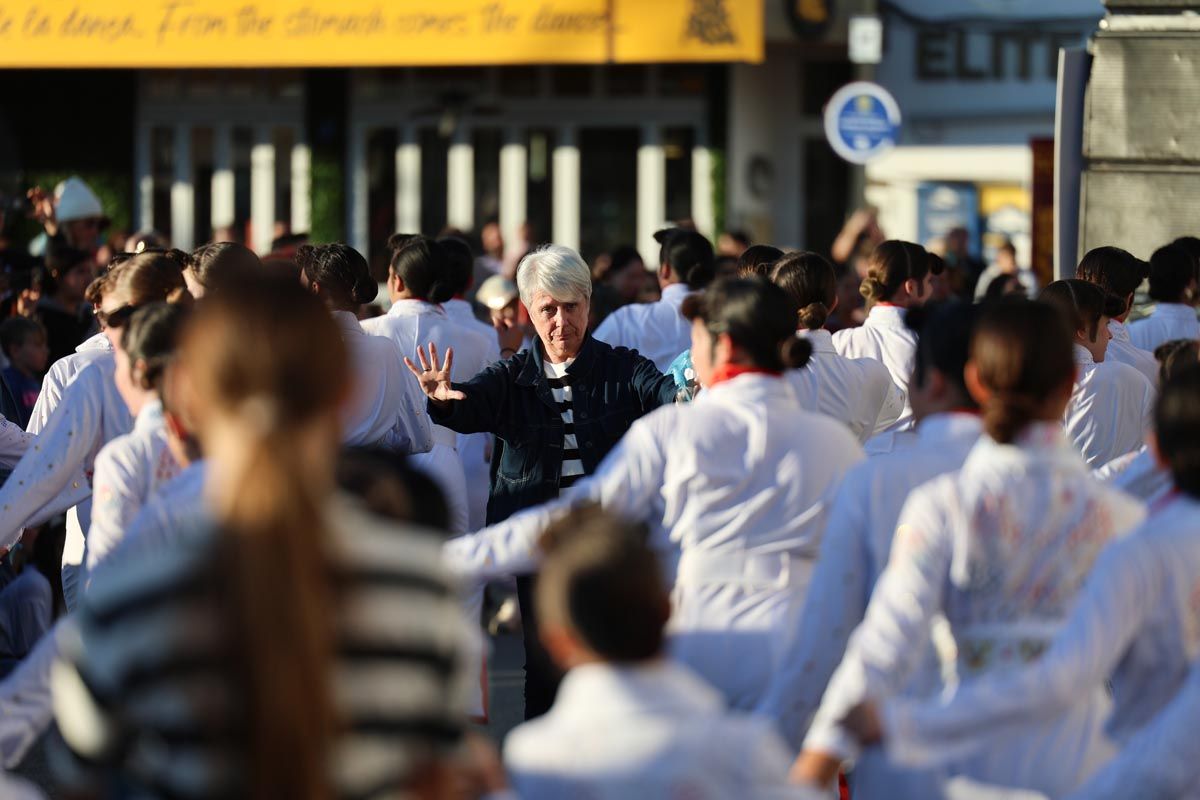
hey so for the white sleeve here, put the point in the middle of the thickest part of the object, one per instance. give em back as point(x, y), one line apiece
point(13, 443)
point(116, 499)
point(48, 399)
point(1161, 761)
point(1107, 615)
point(25, 705)
point(609, 330)
point(413, 432)
point(892, 408)
point(908, 595)
point(48, 480)
point(624, 483)
point(834, 605)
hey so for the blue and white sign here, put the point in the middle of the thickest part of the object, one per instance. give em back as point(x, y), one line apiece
point(862, 120)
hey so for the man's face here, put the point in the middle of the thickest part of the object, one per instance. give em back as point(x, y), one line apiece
point(560, 324)
point(83, 234)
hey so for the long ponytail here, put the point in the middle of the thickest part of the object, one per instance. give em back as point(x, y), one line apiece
point(269, 369)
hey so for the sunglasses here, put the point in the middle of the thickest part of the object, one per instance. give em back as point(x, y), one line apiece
point(117, 318)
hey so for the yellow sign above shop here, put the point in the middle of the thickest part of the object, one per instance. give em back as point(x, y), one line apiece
point(320, 33)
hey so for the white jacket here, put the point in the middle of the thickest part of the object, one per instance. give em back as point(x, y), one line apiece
point(1136, 621)
point(854, 551)
point(884, 337)
point(652, 731)
point(1138, 474)
point(1168, 321)
point(460, 311)
point(856, 391)
point(13, 443)
point(1122, 349)
point(128, 470)
point(658, 330)
point(63, 372)
point(999, 549)
point(735, 488)
point(386, 406)
point(1111, 408)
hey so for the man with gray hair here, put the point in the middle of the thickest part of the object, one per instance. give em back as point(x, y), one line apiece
point(556, 410)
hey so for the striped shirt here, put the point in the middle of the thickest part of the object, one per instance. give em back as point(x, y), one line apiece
point(145, 694)
point(560, 386)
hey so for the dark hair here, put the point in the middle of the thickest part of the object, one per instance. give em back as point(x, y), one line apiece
point(944, 333)
point(602, 581)
point(422, 264)
point(998, 287)
point(152, 336)
point(389, 487)
point(811, 281)
point(460, 263)
point(1081, 304)
point(759, 317)
point(738, 235)
point(1177, 428)
point(1023, 353)
point(688, 254)
point(1174, 356)
point(15, 331)
point(622, 257)
point(341, 271)
point(214, 264)
point(758, 260)
point(60, 258)
point(1191, 244)
point(1114, 270)
point(892, 263)
point(1172, 270)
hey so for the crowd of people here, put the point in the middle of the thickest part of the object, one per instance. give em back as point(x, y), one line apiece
point(767, 540)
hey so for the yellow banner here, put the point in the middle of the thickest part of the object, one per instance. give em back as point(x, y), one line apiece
point(311, 33)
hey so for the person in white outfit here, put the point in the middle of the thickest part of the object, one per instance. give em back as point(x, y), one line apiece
point(1136, 625)
point(49, 479)
point(899, 277)
point(858, 537)
point(1173, 289)
point(855, 391)
point(1120, 273)
point(475, 449)
point(418, 281)
point(658, 331)
point(1112, 403)
point(629, 723)
point(386, 407)
point(131, 467)
point(735, 488)
point(999, 550)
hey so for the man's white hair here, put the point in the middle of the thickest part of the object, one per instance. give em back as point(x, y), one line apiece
point(556, 270)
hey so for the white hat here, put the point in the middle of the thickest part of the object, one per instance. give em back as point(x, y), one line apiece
point(74, 199)
point(496, 292)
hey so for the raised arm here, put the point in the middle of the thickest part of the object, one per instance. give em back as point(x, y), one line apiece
point(471, 407)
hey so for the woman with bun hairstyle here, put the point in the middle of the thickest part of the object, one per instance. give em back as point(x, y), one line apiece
point(420, 279)
point(899, 277)
point(215, 264)
point(49, 479)
point(856, 391)
point(998, 550)
point(323, 652)
point(1112, 404)
point(385, 407)
point(733, 486)
point(1120, 274)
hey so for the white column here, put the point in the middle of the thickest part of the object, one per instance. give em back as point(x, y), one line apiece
point(262, 189)
point(144, 177)
point(408, 182)
point(183, 198)
point(301, 184)
point(651, 192)
point(514, 173)
point(566, 190)
point(223, 195)
point(460, 181)
point(357, 190)
point(702, 190)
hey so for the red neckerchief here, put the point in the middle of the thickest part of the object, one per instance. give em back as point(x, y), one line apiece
point(731, 371)
point(974, 412)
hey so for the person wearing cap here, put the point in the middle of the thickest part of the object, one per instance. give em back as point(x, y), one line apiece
point(657, 330)
point(74, 215)
point(557, 408)
point(500, 297)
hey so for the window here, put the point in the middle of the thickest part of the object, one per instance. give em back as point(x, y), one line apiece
point(608, 188)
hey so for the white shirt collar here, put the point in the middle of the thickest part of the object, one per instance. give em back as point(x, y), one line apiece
point(1083, 356)
point(891, 316)
point(348, 323)
point(95, 342)
point(596, 691)
point(1119, 331)
point(821, 340)
point(949, 425)
point(151, 415)
point(675, 293)
point(1175, 311)
point(414, 308)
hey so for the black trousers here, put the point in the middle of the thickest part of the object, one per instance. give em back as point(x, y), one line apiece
point(541, 675)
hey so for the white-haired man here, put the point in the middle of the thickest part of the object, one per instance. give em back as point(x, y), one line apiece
point(556, 409)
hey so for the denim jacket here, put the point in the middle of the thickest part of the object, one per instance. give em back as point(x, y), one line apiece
point(612, 387)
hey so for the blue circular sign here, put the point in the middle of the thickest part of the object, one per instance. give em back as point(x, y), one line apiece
point(862, 120)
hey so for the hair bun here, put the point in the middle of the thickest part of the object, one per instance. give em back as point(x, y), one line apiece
point(813, 316)
point(871, 288)
point(795, 352)
point(305, 255)
point(365, 289)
